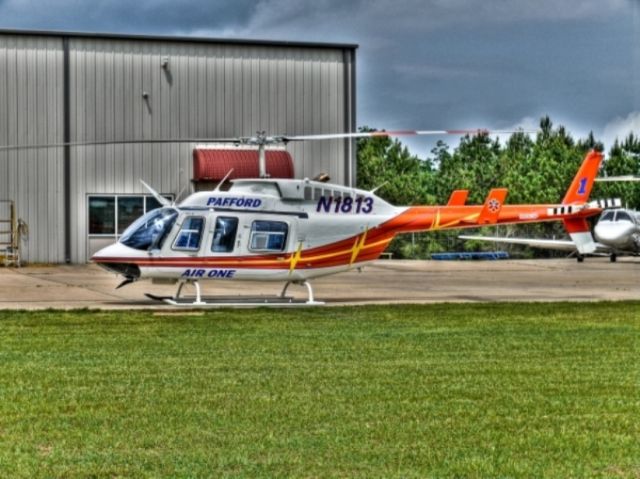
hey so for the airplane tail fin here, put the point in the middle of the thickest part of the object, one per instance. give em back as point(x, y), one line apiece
point(579, 192)
point(582, 183)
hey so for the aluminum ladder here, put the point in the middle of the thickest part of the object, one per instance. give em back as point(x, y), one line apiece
point(9, 234)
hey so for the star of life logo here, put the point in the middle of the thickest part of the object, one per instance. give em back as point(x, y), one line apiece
point(494, 205)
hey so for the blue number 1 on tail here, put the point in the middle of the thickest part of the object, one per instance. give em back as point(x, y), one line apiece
point(582, 189)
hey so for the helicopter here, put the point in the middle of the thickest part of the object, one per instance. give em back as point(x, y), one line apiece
point(295, 230)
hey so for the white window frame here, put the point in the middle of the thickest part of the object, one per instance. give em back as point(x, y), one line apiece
point(203, 229)
point(214, 223)
point(117, 235)
point(253, 234)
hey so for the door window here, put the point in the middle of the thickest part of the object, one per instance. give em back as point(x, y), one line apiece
point(190, 234)
point(224, 234)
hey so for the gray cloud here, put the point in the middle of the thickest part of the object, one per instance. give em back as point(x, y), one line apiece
point(421, 63)
point(384, 18)
point(141, 16)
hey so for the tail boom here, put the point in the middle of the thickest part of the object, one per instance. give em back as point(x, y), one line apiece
point(572, 211)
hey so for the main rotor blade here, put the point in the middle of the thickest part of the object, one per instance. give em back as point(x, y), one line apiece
point(268, 140)
point(394, 133)
point(121, 142)
point(159, 198)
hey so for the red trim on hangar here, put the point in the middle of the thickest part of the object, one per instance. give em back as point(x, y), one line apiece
point(212, 164)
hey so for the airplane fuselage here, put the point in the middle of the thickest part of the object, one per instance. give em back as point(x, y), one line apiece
point(619, 230)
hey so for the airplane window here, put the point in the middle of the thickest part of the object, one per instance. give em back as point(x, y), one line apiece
point(189, 236)
point(268, 236)
point(224, 235)
point(623, 216)
point(149, 230)
point(607, 216)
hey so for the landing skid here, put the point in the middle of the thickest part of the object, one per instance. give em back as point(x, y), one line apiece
point(200, 301)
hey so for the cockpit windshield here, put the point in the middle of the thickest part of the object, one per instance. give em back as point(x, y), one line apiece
point(617, 216)
point(607, 216)
point(150, 230)
point(623, 216)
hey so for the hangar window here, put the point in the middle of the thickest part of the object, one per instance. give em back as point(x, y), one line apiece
point(268, 236)
point(111, 215)
point(130, 208)
point(102, 215)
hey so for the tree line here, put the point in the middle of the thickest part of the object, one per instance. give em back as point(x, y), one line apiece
point(535, 170)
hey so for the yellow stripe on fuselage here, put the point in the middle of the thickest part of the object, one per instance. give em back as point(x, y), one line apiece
point(295, 257)
point(357, 246)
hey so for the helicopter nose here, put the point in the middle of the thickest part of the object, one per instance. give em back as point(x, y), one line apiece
point(116, 258)
point(614, 234)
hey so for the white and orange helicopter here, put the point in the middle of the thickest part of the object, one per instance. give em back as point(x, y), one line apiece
point(294, 230)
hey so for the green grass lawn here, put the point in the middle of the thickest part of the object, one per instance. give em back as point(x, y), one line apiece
point(490, 390)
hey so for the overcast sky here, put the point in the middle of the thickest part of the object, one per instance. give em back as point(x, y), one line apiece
point(430, 64)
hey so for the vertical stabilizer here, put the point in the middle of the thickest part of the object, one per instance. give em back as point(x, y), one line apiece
point(582, 183)
point(458, 198)
point(579, 192)
point(492, 206)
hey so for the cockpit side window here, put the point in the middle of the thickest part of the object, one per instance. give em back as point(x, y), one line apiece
point(150, 230)
point(623, 216)
point(224, 234)
point(190, 234)
point(607, 216)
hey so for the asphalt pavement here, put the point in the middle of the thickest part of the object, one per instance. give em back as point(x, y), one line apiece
point(385, 281)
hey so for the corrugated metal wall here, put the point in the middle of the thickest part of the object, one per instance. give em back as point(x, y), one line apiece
point(209, 90)
point(31, 112)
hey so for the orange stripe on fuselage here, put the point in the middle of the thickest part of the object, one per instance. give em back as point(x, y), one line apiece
point(341, 253)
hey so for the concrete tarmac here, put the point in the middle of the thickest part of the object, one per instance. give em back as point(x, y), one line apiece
point(385, 281)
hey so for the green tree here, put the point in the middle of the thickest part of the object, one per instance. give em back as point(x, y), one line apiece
point(474, 166)
point(623, 159)
point(399, 177)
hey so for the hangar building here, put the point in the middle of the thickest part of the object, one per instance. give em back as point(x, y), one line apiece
point(59, 87)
